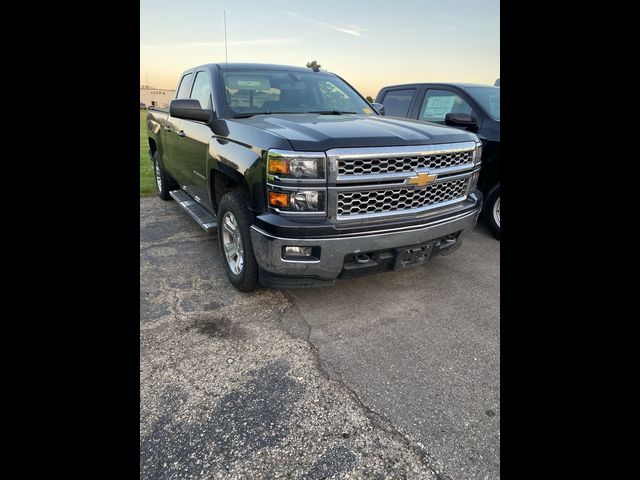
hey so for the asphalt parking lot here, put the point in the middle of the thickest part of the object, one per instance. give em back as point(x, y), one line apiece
point(393, 375)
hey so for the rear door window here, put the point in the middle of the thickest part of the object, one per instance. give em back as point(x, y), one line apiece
point(397, 102)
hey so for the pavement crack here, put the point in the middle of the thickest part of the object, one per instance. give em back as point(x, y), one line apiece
point(377, 419)
point(382, 422)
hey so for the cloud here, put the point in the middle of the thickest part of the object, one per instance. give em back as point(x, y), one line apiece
point(352, 30)
point(232, 43)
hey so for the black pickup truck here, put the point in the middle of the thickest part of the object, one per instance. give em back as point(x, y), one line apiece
point(304, 180)
point(463, 105)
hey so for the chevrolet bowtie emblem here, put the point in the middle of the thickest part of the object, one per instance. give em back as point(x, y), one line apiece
point(421, 179)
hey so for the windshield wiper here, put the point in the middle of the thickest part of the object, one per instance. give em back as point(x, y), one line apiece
point(251, 114)
point(331, 112)
point(321, 112)
point(247, 115)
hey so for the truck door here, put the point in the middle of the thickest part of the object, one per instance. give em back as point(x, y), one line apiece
point(173, 133)
point(194, 145)
point(437, 102)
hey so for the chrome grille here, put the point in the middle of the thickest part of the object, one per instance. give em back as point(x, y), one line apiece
point(402, 164)
point(377, 201)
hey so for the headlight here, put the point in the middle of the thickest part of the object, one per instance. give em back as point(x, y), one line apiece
point(306, 200)
point(297, 201)
point(295, 165)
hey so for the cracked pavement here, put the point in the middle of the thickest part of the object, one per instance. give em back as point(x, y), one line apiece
point(393, 375)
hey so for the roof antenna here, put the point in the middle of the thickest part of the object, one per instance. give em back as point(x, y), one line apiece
point(226, 57)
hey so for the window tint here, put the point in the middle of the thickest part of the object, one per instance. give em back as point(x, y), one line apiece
point(202, 90)
point(437, 103)
point(396, 102)
point(183, 89)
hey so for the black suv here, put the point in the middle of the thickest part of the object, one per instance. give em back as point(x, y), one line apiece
point(462, 105)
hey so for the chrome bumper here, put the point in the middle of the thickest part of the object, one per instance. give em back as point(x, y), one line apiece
point(268, 248)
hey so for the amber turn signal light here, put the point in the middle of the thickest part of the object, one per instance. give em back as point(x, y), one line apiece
point(277, 199)
point(278, 165)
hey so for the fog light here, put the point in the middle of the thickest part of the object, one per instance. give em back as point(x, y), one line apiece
point(297, 251)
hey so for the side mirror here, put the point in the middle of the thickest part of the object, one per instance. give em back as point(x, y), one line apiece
point(463, 120)
point(189, 110)
point(379, 107)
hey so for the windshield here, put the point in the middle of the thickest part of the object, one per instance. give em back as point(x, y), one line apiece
point(488, 98)
point(280, 91)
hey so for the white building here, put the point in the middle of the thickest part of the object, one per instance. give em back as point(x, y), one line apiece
point(156, 97)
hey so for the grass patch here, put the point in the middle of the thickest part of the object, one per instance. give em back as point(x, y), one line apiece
point(147, 179)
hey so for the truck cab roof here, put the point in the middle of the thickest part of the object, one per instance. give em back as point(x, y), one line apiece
point(259, 66)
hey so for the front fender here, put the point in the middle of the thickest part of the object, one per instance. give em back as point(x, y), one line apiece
point(243, 164)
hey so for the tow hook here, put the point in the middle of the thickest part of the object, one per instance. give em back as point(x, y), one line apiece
point(449, 245)
point(361, 258)
point(448, 242)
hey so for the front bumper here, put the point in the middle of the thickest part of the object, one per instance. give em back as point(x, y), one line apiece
point(334, 251)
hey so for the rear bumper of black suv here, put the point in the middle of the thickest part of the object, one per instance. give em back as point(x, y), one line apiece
point(336, 257)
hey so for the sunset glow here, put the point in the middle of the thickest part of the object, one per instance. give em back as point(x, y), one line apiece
point(368, 43)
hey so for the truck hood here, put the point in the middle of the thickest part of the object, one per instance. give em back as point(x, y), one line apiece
point(315, 132)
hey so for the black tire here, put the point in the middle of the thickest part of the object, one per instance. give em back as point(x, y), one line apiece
point(246, 279)
point(164, 184)
point(489, 213)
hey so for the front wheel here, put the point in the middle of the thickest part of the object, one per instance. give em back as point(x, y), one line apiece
point(234, 222)
point(163, 182)
point(491, 211)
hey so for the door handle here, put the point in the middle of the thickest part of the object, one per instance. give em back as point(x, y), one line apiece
point(167, 128)
point(181, 133)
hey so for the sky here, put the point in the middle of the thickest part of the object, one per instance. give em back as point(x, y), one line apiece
point(370, 44)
